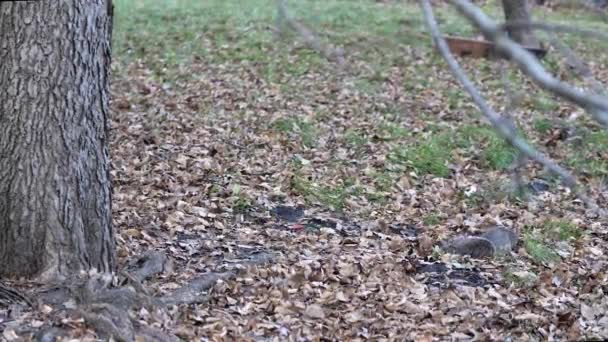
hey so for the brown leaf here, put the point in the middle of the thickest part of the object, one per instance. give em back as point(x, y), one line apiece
point(314, 311)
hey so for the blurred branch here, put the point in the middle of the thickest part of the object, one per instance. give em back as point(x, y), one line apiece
point(283, 18)
point(577, 65)
point(501, 125)
point(513, 100)
point(557, 28)
point(596, 105)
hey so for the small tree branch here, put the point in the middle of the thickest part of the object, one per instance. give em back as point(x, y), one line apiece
point(305, 33)
point(500, 125)
point(556, 28)
point(512, 102)
point(596, 105)
point(578, 65)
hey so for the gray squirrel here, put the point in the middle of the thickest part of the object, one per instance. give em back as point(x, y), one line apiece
point(495, 240)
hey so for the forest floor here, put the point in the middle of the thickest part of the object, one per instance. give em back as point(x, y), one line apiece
point(327, 186)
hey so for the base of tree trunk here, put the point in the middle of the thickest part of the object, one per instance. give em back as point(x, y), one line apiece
point(104, 300)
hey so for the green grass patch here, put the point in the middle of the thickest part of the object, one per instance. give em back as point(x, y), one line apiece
point(592, 166)
point(542, 125)
point(376, 197)
point(333, 197)
point(354, 138)
point(304, 129)
point(382, 182)
point(540, 252)
point(432, 154)
point(589, 157)
point(428, 156)
point(176, 31)
point(170, 32)
point(241, 203)
point(286, 64)
point(544, 103)
point(431, 219)
point(539, 241)
point(165, 33)
point(455, 98)
point(367, 86)
point(496, 153)
point(578, 16)
point(598, 141)
point(561, 230)
point(391, 131)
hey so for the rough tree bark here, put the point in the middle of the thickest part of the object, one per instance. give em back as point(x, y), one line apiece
point(519, 11)
point(55, 192)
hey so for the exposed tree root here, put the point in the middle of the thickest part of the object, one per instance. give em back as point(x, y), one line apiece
point(191, 293)
point(148, 265)
point(108, 303)
point(9, 296)
point(109, 321)
point(49, 334)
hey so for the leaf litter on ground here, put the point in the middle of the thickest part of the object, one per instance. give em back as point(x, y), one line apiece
point(373, 164)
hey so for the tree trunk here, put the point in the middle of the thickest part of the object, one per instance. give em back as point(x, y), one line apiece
point(55, 192)
point(518, 10)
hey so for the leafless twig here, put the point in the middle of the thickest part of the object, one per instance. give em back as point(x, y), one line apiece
point(306, 34)
point(512, 102)
point(499, 123)
point(577, 65)
point(595, 104)
point(557, 28)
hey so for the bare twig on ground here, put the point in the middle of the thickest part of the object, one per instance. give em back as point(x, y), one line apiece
point(595, 104)
point(499, 123)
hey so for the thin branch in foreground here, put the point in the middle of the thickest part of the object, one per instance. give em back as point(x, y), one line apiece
point(556, 28)
point(306, 34)
point(596, 105)
point(495, 119)
point(580, 68)
point(512, 102)
point(577, 65)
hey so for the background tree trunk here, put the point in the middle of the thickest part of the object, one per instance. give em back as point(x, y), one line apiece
point(55, 192)
point(518, 10)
